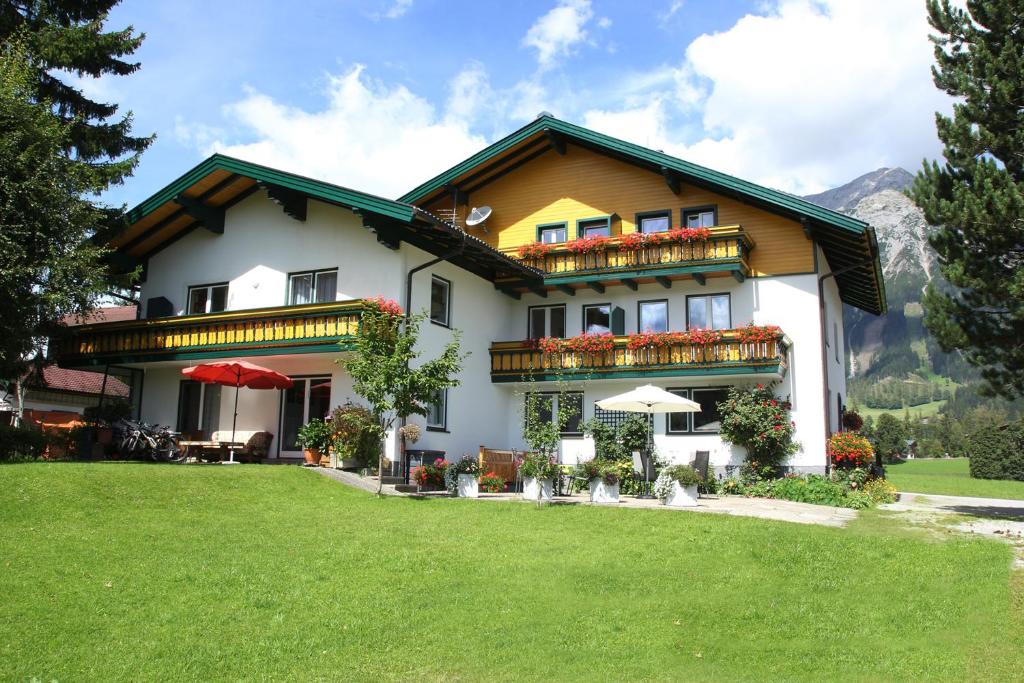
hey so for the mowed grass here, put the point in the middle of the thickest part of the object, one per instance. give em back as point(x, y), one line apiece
point(951, 477)
point(156, 572)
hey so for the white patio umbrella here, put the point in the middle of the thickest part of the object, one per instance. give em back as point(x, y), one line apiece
point(649, 399)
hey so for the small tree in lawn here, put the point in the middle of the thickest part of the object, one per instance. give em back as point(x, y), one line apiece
point(382, 370)
point(759, 421)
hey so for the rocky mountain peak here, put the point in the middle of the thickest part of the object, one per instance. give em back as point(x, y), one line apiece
point(846, 197)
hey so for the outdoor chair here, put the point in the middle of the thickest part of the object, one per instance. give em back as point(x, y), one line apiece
point(700, 464)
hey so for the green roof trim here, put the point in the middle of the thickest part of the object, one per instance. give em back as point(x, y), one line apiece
point(316, 189)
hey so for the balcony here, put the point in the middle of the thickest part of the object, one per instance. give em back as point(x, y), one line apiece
point(254, 332)
point(725, 251)
point(518, 361)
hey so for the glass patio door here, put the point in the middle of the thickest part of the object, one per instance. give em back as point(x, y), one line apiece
point(308, 398)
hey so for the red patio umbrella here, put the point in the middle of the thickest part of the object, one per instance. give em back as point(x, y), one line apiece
point(237, 373)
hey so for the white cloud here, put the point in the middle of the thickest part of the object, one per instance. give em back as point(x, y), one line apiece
point(556, 33)
point(604, 22)
point(671, 12)
point(815, 92)
point(395, 10)
point(370, 137)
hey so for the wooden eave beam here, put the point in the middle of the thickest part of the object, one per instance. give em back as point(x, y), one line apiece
point(210, 217)
point(663, 281)
point(293, 203)
point(557, 141)
point(629, 282)
point(738, 275)
point(460, 196)
point(596, 286)
point(538, 290)
point(566, 289)
point(672, 180)
point(700, 279)
point(496, 165)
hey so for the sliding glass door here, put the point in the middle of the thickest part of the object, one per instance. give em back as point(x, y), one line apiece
point(308, 398)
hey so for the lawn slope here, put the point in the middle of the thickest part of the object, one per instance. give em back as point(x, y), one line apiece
point(153, 572)
point(950, 477)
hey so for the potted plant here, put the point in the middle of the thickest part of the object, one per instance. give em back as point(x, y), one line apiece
point(354, 438)
point(677, 486)
point(431, 476)
point(492, 483)
point(539, 472)
point(461, 477)
point(314, 438)
point(603, 478)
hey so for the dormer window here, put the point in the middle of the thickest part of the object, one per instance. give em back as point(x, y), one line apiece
point(594, 227)
point(313, 287)
point(552, 233)
point(207, 298)
point(659, 221)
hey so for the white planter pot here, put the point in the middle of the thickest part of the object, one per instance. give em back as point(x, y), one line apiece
point(538, 489)
point(468, 486)
point(601, 492)
point(682, 497)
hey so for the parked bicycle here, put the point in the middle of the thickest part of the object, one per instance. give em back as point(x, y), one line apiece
point(141, 440)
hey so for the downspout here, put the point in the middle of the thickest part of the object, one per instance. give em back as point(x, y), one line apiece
point(408, 308)
point(826, 402)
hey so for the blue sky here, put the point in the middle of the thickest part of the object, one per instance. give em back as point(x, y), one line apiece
point(381, 94)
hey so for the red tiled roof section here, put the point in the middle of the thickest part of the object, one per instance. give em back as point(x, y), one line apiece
point(109, 314)
point(81, 381)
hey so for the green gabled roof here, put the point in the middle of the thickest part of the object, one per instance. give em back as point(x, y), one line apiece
point(782, 200)
point(314, 188)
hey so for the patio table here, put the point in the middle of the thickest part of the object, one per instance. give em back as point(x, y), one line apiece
point(207, 448)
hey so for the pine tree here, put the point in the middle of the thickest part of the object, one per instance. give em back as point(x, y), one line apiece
point(977, 195)
point(68, 35)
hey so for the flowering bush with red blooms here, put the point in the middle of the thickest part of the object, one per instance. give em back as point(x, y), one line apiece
point(586, 245)
point(548, 344)
point(686, 235)
point(652, 340)
point(759, 421)
point(849, 449)
point(852, 421)
point(751, 333)
point(492, 483)
point(389, 306)
point(430, 474)
point(534, 250)
point(636, 240)
point(700, 337)
point(591, 342)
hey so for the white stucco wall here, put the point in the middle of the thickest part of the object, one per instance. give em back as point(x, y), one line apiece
point(836, 350)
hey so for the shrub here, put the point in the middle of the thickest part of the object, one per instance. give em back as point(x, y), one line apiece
point(492, 483)
point(880, 491)
point(852, 421)
point(608, 472)
point(850, 449)
point(606, 440)
point(21, 444)
point(355, 434)
point(537, 466)
point(758, 421)
point(997, 452)
point(467, 465)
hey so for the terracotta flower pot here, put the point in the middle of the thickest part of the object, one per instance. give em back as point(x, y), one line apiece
point(311, 456)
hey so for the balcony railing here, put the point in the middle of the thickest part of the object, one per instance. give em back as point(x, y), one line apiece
point(264, 331)
point(520, 360)
point(726, 249)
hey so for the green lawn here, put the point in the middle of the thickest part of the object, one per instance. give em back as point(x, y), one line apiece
point(951, 477)
point(924, 410)
point(158, 572)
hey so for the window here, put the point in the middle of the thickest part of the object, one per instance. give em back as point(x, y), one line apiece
point(437, 417)
point(308, 398)
point(597, 318)
point(440, 301)
point(207, 299)
point(548, 405)
point(678, 423)
point(198, 408)
point(708, 312)
point(594, 227)
point(546, 321)
point(700, 217)
point(652, 316)
point(553, 233)
point(709, 419)
point(314, 287)
point(654, 222)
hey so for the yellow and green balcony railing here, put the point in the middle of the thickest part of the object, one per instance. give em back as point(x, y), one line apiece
point(727, 249)
point(309, 328)
point(517, 361)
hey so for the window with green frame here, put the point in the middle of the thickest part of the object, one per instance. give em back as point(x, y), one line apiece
point(553, 233)
point(594, 227)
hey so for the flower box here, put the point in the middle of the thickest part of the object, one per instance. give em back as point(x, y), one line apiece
point(682, 496)
point(538, 489)
point(601, 492)
point(468, 486)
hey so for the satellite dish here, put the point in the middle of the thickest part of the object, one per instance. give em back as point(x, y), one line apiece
point(478, 215)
